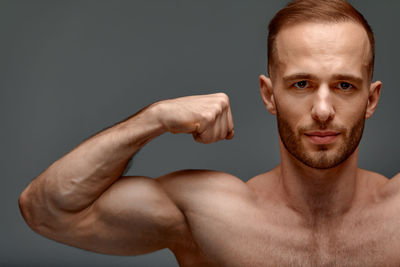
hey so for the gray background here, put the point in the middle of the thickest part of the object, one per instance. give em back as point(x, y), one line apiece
point(71, 68)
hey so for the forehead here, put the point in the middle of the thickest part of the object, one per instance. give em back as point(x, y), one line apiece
point(324, 48)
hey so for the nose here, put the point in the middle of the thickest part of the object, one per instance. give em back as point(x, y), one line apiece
point(322, 109)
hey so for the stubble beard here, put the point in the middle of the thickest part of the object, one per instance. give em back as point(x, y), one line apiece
point(324, 157)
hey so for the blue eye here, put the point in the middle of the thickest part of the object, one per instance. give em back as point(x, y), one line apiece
point(301, 84)
point(345, 86)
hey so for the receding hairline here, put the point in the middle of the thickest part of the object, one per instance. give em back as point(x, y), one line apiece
point(272, 59)
point(317, 11)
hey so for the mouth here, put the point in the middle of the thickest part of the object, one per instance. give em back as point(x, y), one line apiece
point(322, 137)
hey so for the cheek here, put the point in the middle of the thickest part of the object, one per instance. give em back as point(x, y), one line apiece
point(349, 112)
point(290, 103)
point(295, 110)
point(292, 121)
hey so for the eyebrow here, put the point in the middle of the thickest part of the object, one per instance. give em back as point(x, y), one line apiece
point(299, 76)
point(307, 76)
point(348, 77)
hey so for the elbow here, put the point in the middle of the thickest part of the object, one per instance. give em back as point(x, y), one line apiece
point(35, 217)
point(23, 204)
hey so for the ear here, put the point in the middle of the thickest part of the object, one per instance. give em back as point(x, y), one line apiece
point(373, 98)
point(267, 94)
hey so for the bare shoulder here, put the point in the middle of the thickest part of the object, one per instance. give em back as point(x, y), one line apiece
point(187, 186)
point(384, 188)
point(391, 189)
point(396, 177)
point(373, 178)
point(265, 186)
point(210, 201)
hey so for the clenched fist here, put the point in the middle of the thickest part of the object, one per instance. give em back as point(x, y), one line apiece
point(207, 117)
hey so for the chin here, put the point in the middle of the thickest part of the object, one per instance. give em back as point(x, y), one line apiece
point(324, 158)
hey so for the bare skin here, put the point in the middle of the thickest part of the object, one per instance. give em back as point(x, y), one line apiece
point(294, 215)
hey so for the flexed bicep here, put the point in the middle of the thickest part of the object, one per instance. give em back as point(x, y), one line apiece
point(134, 216)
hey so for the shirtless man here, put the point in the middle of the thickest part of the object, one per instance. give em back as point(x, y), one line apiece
point(316, 208)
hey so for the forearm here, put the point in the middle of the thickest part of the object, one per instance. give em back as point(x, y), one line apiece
point(76, 180)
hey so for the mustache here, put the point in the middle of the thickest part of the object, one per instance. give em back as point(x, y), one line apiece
point(316, 126)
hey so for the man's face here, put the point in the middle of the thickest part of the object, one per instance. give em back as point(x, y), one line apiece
point(320, 90)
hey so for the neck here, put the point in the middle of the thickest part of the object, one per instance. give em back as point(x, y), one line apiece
point(318, 194)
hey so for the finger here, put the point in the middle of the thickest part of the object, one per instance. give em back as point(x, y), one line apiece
point(213, 132)
point(231, 126)
point(206, 134)
point(205, 137)
point(218, 130)
point(230, 135)
point(196, 136)
point(222, 126)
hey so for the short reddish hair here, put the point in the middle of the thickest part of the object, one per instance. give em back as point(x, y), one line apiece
point(328, 11)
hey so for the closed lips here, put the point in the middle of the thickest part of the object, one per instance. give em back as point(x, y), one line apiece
point(322, 134)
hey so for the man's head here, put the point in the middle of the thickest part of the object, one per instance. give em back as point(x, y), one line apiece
point(320, 66)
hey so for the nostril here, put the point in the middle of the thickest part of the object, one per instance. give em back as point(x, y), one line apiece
point(322, 113)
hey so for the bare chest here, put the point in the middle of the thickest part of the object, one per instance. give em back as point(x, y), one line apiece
point(370, 240)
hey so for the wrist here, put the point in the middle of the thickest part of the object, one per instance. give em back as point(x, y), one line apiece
point(144, 125)
point(158, 112)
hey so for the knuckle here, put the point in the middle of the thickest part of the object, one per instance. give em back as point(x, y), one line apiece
point(209, 116)
point(224, 99)
point(222, 95)
point(217, 108)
